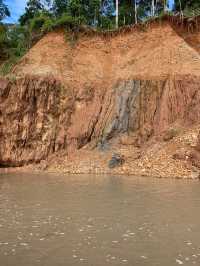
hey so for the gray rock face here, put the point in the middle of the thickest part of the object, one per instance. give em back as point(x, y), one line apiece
point(125, 108)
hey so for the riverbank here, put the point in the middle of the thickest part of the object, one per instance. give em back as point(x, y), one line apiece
point(168, 158)
point(159, 158)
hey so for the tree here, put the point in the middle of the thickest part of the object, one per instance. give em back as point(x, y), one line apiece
point(181, 10)
point(126, 12)
point(33, 7)
point(153, 8)
point(4, 11)
point(93, 9)
point(117, 13)
point(18, 41)
point(135, 11)
point(76, 8)
point(88, 11)
point(59, 7)
point(107, 19)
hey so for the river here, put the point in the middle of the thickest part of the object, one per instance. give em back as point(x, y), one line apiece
point(53, 220)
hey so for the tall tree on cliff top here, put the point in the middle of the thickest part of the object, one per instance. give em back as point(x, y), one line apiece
point(136, 20)
point(153, 8)
point(59, 7)
point(117, 13)
point(93, 9)
point(33, 7)
point(127, 14)
point(87, 11)
point(4, 11)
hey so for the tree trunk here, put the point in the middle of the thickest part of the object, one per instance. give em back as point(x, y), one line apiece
point(117, 14)
point(153, 8)
point(181, 11)
point(135, 12)
point(165, 6)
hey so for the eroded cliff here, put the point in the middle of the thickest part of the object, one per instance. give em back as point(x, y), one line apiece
point(40, 117)
point(73, 107)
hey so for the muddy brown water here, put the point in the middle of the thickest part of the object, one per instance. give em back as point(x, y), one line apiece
point(52, 220)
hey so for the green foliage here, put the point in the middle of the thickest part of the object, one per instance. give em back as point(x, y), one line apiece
point(48, 25)
point(33, 8)
point(66, 21)
point(7, 66)
point(76, 8)
point(43, 23)
point(126, 14)
point(106, 23)
point(3, 43)
point(87, 11)
point(59, 7)
point(3, 34)
point(38, 22)
point(18, 41)
point(187, 4)
point(4, 11)
point(14, 42)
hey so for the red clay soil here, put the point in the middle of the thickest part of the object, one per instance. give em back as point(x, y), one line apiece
point(151, 54)
point(139, 91)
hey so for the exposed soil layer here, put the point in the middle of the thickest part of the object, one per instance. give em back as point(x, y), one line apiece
point(73, 105)
point(30, 112)
point(156, 52)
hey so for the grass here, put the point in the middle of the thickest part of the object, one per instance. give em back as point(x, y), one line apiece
point(8, 65)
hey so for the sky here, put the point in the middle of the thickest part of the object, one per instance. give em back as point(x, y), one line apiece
point(16, 8)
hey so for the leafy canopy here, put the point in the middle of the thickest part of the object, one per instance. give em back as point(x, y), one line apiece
point(4, 11)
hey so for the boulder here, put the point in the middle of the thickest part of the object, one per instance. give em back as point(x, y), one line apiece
point(181, 154)
point(116, 160)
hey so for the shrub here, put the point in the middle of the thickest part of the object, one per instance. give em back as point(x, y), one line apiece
point(37, 23)
point(67, 21)
point(48, 25)
point(18, 41)
point(3, 33)
point(106, 23)
point(7, 66)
